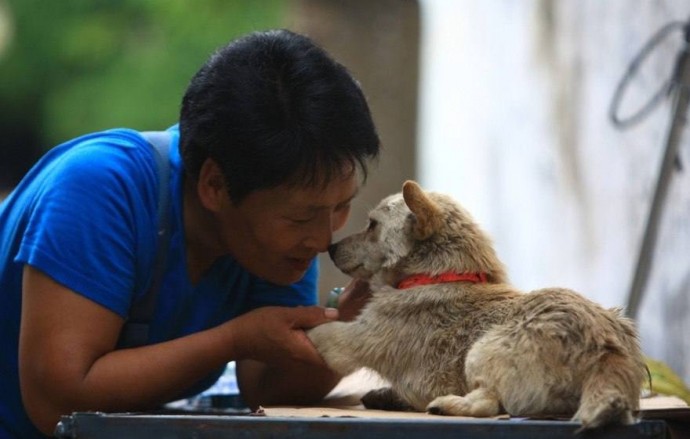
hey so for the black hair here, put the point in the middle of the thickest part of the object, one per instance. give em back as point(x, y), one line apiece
point(273, 108)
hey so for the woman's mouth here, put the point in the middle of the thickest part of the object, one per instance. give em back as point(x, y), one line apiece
point(300, 264)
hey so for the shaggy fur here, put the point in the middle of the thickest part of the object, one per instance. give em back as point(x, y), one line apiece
point(474, 349)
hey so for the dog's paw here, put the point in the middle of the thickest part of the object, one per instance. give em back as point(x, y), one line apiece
point(385, 399)
point(478, 403)
point(449, 405)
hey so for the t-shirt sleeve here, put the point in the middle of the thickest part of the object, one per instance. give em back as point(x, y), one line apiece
point(88, 220)
point(302, 293)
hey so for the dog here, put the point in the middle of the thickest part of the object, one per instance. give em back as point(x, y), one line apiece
point(453, 337)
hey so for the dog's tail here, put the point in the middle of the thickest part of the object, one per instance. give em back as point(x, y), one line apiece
point(611, 392)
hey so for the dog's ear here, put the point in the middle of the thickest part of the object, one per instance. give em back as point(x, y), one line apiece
point(426, 212)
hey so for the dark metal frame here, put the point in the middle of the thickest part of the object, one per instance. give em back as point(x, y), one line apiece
point(134, 426)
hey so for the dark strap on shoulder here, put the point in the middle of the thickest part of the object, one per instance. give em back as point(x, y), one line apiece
point(135, 332)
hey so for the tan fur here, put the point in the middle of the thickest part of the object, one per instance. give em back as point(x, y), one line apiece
point(474, 349)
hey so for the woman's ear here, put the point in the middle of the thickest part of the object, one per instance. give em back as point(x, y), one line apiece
point(211, 187)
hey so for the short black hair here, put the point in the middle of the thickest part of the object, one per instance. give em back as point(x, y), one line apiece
point(273, 108)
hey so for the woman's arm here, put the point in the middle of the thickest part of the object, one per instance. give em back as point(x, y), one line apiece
point(67, 360)
point(289, 383)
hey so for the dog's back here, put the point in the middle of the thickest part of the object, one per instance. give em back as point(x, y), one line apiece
point(559, 353)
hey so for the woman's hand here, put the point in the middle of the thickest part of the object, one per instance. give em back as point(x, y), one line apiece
point(276, 334)
point(353, 298)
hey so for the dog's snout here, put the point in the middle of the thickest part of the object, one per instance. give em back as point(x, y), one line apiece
point(332, 249)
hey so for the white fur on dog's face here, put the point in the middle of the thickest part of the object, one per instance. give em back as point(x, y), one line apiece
point(379, 247)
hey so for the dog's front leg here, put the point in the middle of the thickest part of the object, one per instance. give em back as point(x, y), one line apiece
point(334, 342)
point(385, 398)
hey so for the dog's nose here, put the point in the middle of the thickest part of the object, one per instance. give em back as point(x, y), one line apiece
point(332, 249)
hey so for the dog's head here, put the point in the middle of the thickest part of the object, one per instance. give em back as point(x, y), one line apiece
point(417, 232)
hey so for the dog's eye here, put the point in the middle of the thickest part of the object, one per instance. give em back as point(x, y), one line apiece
point(372, 224)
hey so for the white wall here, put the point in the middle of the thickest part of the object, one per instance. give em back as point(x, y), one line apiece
point(513, 122)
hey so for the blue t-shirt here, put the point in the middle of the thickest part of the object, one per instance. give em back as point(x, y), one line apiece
point(86, 215)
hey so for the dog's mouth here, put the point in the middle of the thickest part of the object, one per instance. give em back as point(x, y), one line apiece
point(353, 269)
point(357, 271)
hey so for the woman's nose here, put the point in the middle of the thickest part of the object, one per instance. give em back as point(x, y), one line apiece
point(321, 235)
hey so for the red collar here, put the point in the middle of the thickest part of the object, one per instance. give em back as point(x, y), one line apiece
point(449, 276)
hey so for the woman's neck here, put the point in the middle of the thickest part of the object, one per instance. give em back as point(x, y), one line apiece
point(202, 243)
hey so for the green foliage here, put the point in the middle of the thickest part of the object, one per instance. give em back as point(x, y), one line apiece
point(76, 66)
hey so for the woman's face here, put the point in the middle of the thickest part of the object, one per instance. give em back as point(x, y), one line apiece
point(276, 233)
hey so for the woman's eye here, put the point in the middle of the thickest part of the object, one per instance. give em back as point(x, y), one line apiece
point(301, 220)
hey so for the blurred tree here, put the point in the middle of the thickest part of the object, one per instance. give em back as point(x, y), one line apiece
point(85, 65)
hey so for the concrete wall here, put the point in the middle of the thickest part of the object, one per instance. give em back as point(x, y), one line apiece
point(513, 121)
